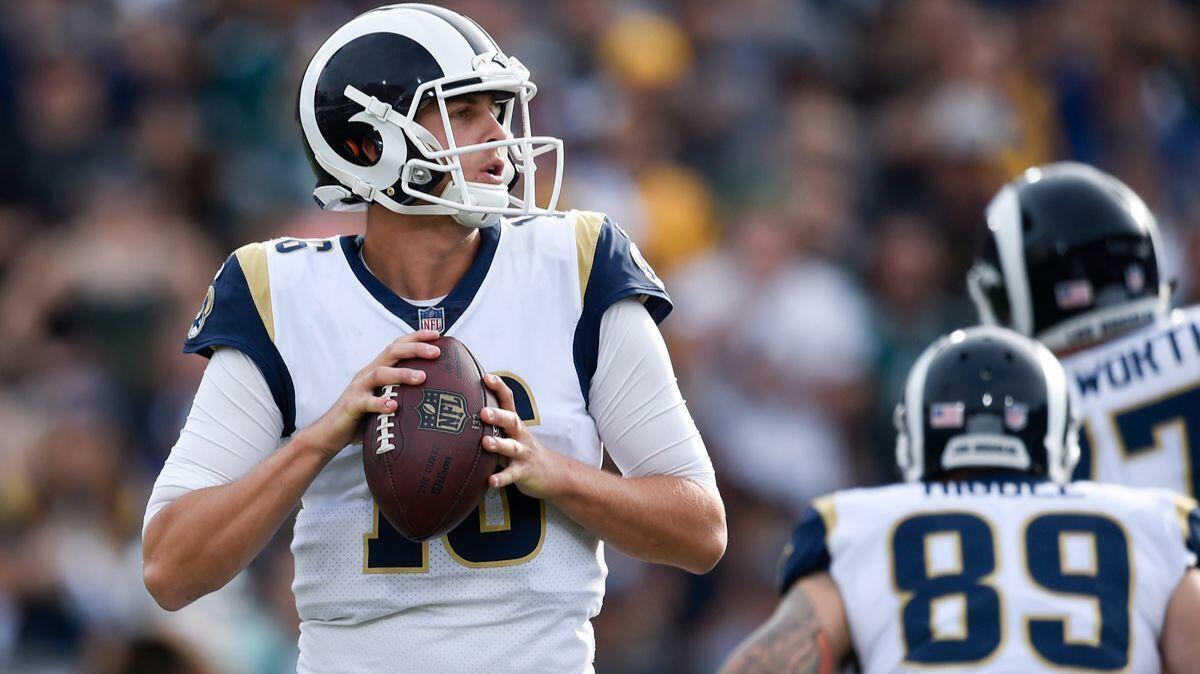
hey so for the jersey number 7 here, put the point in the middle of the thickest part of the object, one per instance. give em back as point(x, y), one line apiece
point(1149, 426)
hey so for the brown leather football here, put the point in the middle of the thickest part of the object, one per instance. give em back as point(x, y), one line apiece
point(424, 464)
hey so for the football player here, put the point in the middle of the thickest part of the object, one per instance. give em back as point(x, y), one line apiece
point(413, 114)
point(987, 559)
point(1072, 259)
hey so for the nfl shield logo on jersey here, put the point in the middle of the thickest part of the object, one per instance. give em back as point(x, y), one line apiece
point(431, 318)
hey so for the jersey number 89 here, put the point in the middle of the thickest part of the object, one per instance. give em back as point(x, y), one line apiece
point(967, 584)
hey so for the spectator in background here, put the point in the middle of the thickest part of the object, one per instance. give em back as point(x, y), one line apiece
point(151, 655)
point(914, 303)
point(95, 288)
point(819, 158)
point(1189, 290)
point(63, 117)
point(777, 347)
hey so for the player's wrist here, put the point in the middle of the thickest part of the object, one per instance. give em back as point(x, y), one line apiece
point(566, 477)
point(311, 440)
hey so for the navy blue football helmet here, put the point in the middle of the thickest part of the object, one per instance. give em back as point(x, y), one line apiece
point(359, 99)
point(986, 398)
point(1072, 258)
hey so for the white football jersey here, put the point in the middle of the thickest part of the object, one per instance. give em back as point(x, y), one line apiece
point(1005, 574)
point(1138, 397)
point(513, 588)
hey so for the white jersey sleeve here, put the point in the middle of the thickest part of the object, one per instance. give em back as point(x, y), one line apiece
point(234, 424)
point(640, 414)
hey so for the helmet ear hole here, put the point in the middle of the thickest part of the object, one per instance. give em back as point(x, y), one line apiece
point(373, 149)
point(363, 149)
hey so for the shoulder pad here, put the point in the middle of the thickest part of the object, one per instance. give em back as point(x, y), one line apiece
point(611, 268)
point(808, 550)
point(1188, 513)
point(237, 313)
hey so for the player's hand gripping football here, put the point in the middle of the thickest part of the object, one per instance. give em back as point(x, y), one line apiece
point(537, 471)
point(342, 424)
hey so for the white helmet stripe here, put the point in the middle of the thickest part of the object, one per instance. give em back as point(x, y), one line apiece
point(1062, 448)
point(1004, 222)
point(914, 409)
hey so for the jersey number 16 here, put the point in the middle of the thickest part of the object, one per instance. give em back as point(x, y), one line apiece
point(479, 541)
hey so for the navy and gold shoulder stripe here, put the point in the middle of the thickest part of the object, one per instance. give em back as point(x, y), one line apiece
point(1188, 512)
point(611, 268)
point(237, 313)
point(808, 550)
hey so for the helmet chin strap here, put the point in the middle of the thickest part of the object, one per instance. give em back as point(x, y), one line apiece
point(481, 195)
point(484, 195)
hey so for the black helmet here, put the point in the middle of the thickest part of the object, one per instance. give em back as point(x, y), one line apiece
point(364, 87)
point(986, 397)
point(1072, 258)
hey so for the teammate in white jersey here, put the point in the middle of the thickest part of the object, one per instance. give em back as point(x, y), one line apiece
point(1072, 259)
point(987, 560)
point(408, 113)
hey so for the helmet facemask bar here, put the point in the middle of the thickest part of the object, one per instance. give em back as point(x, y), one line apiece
point(522, 152)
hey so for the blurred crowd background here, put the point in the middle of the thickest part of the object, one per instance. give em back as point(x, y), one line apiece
point(807, 175)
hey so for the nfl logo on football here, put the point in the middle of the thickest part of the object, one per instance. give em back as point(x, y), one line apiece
point(432, 318)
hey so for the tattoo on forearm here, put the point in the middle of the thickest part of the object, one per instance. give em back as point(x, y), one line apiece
point(791, 641)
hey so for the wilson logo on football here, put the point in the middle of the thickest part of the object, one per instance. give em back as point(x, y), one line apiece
point(442, 411)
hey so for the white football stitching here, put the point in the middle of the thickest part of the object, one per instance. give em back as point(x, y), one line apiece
point(385, 423)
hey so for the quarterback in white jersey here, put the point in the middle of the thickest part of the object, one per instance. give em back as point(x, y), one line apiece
point(1072, 259)
point(408, 110)
point(988, 560)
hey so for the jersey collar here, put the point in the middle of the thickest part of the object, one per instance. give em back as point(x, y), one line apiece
point(453, 305)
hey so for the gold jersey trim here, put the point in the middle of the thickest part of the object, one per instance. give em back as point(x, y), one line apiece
point(253, 259)
point(587, 235)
